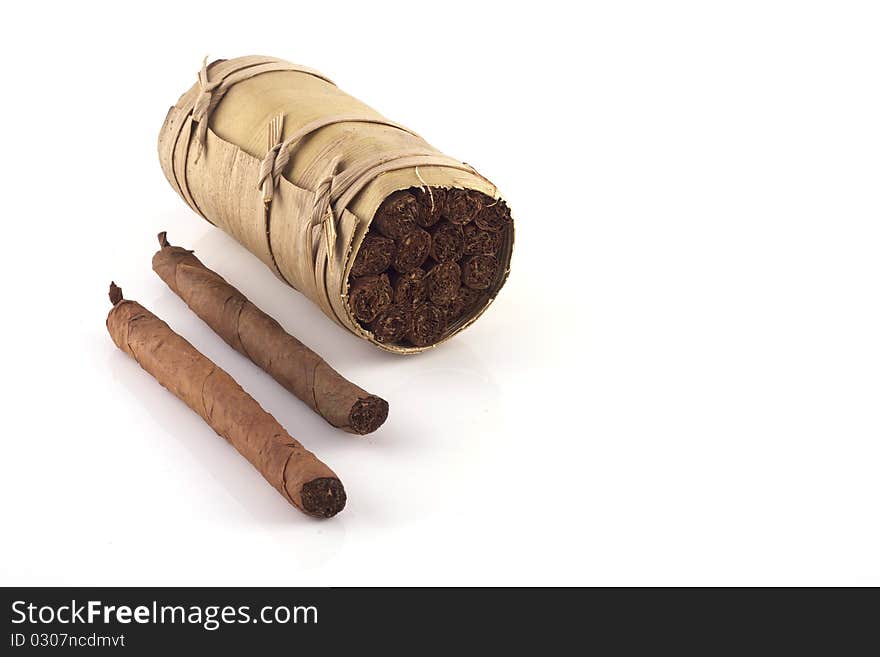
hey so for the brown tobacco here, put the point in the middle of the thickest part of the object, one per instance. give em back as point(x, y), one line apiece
point(254, 334)
point(393, 323)
point(428, 324)
point(461, 206)
point(494, 217)
point(431, 202)
point(412, 250)
point(370, 295)
point(374, 257)
point(444, 281)
point(480, 242)
point(465, 233)
point(478, 272)
point(396, 216)
point(410, 289)
point(464, 301)
point(447, 242)
point(294, 471)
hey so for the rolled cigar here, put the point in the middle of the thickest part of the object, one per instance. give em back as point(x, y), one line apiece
point(370, 295)
point(461, 206)
point(480, 242)
point(428, 324)
point(452, 310)
point(395, 217)
point(464, 301)
point(294, 471)
point(468, 297)
point(494, 217)
point(393, 323)
point(374, 257)
point(431, 203)
point(412, 250)
point(447, 242)
point(410, 289)
point(478, 272)
point(254, 334)
point(444, 281)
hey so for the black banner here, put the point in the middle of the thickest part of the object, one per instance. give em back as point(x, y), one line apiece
point(149, 620)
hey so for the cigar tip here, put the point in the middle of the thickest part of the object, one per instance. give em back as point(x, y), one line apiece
point(323, 497)
point(368, 414)
point(115, 293)
point(163, 239)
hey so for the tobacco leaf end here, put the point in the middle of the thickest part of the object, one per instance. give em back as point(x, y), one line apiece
point(115, 293)
point(368, 414)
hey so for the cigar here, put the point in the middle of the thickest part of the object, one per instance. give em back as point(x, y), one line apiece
point(463, 302)
point(411, 250)
point(478, 272)
point(396, 216)
point(294, 471)
point(447, 242)
point(256, 335)
point(369, 295)
point(393, 323)
point(462, 206)
point(410, 289)
point(428, 325)
point(481, 242)
point(444, 281)
point(494, 217)
point(431, 201)
point(374, 256)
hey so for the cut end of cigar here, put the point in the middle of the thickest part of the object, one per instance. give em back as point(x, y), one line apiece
point(163, 239)
point(441, 278)
point(368, 414)
point(324, 497)
point(478, 272)
point(115, 293)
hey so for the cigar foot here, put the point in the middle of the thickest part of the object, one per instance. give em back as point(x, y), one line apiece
point(324, 497)
point(368, 414)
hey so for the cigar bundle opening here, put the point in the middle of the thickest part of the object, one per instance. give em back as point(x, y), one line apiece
point(394, 240)
point(428, 264)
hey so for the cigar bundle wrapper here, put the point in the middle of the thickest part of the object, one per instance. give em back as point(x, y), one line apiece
point(293, 168)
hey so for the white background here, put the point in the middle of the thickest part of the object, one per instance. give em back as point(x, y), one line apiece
point(678, 385)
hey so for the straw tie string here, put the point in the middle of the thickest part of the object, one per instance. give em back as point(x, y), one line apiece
point(275, 160)
point(205, 103)
point(322, 209)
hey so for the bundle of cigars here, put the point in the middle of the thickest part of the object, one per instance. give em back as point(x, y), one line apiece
point(395, 241)
point(428, 261)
